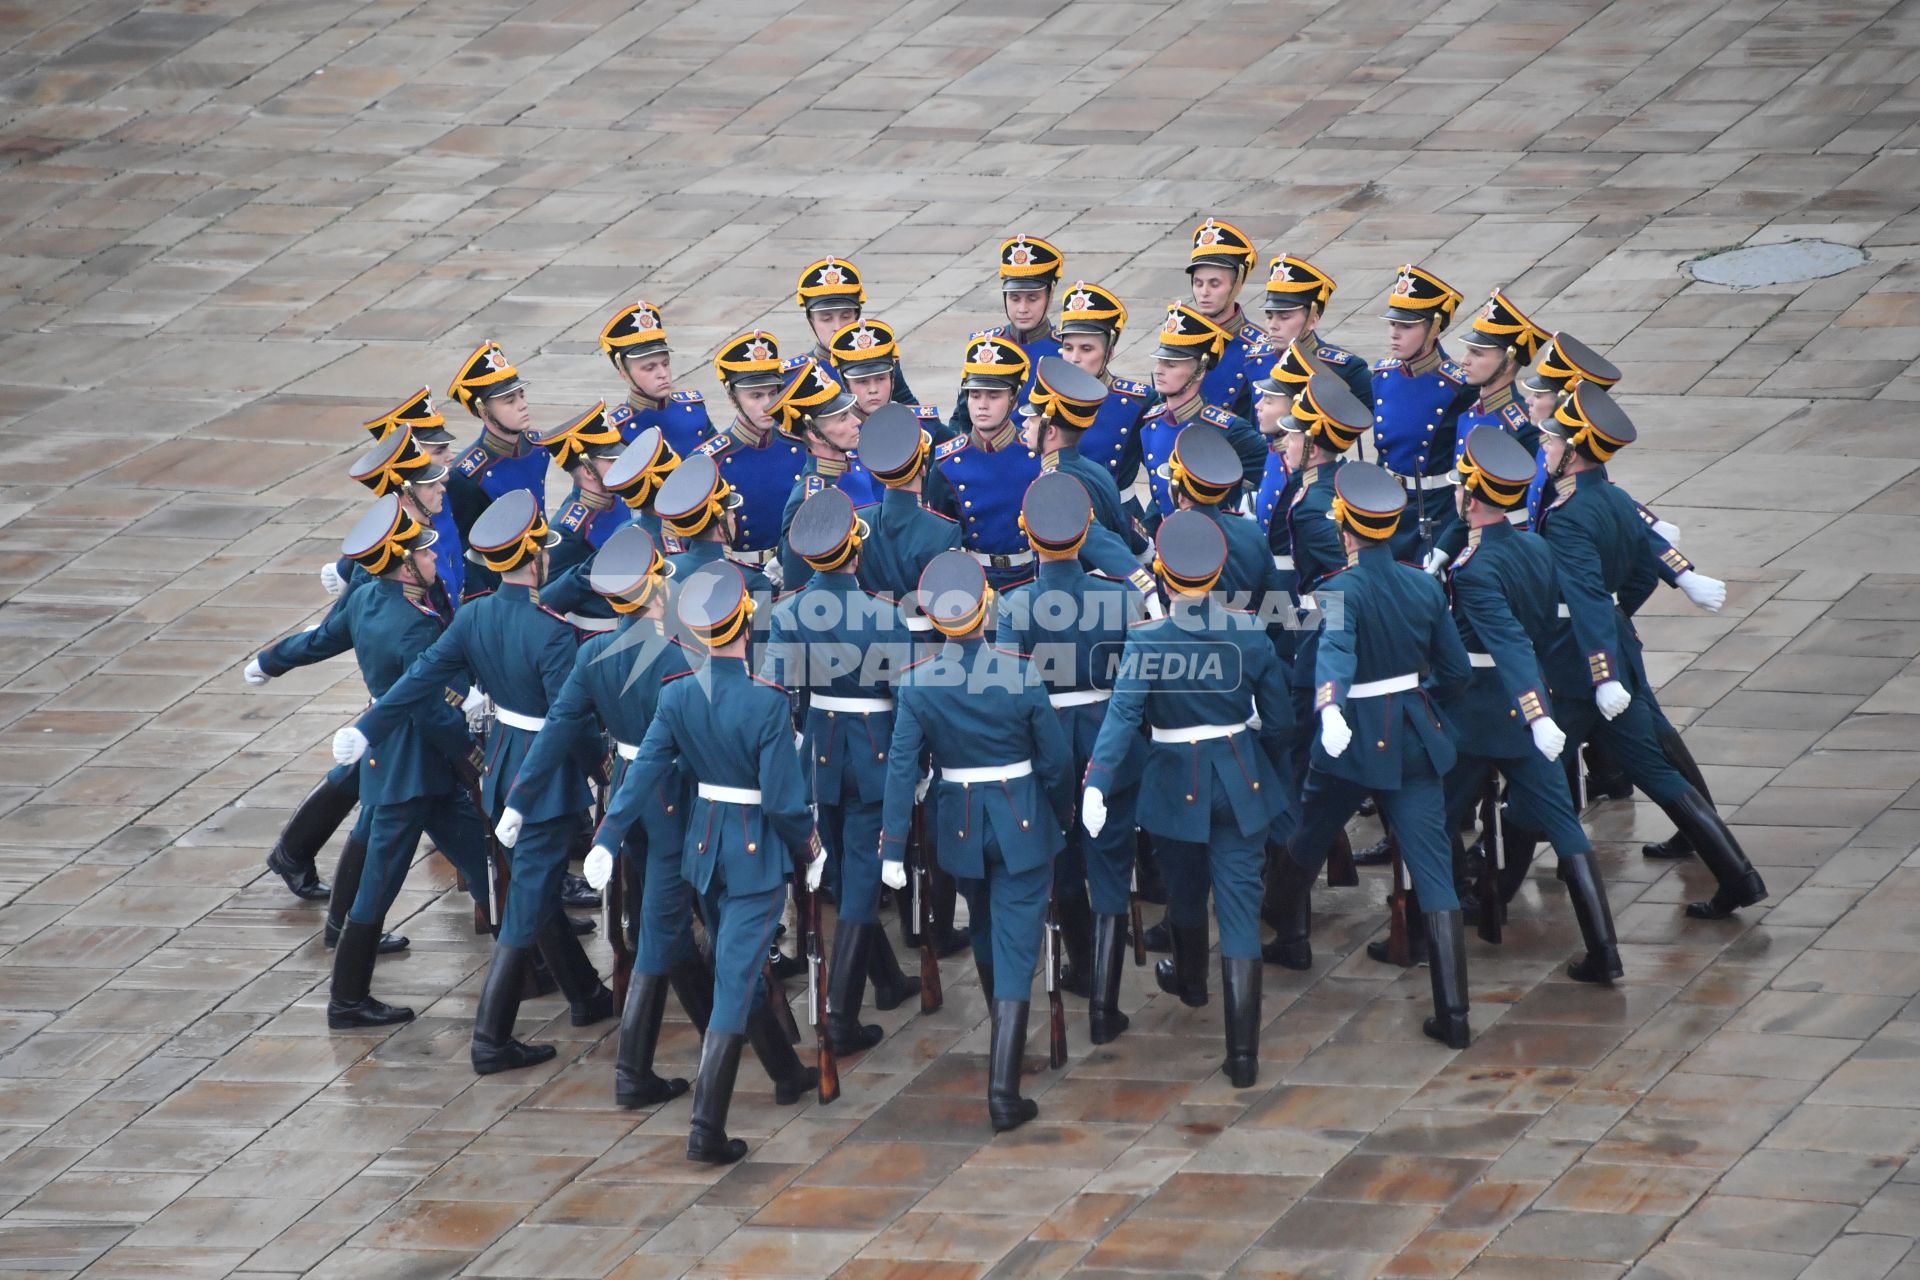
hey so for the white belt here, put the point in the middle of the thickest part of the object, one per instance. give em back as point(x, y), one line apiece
point(1283, 562)
point(919, 622)
point(1479, 659)
point(1198, 732)
point(1517, 516)
point(1565, 612)
point(626, 750)
point(1380, 688)
point(583, 623)
point(853, 706)
point(1079, 697)
point(728, 795)
point(1009, 561)
point(989, 773)
point(755, 558)
point(1442, 481)
point(514, 720)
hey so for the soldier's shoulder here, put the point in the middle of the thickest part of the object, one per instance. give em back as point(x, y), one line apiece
point(1383, 366)
point(1217, 416)
point(473, 461)
point(720, 444)
point(997, 331)
point(1133, 390)
point(620, 415)
point(687, 397)
point(925, 412)
point(952, 448)
point(1334, 355)
point(1452, 372)
point(1515, 417)
point(574, 517)
point(1251, 333)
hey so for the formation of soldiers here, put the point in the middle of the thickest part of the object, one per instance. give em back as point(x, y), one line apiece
point(1085, 641)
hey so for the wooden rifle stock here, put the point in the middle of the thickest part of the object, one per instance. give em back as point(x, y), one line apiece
point(920, 886)
point(1056, 1007)
point(1341, 871)
point(817, 999)
point(1486, 889)
point(1134, 921)
point(1399, 943)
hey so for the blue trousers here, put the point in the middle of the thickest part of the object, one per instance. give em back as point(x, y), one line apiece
point(666, 903)
point(539, 860)
point(392, 834)
point(1006, 913)
point(1106, 860)
point(1632, 738)
point(742, 926)
point(1536, 795)
point(1228, 864)
point(851, 834)
point(1416, 813)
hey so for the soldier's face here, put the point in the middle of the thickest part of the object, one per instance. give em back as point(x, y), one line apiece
point(1540, 405)
point(988, 406)
point(756, 403)
point(1032, 430)
point(440, 454)
point(831, 321)
point(1085, 351)
point(1268, 410)
point(1213, 290)
point(1407, 339)
point(1483, 364)
point(1027, 309)
point(1172, 377)
point(429, 497)
point(1294, 447)
point(510, 412)
point(651, 376)
point(841, 430)
point(1553, 449)
point(425, 565)
point(872, 392)
point(1284, 326)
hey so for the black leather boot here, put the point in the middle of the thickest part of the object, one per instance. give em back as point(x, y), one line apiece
point(1240, 984)
point(1159, 937)
point(846, 983)
point(1004, 1104)
point(311, 826)
point(1601, 964)
point(1740, 884)
point(1076, 938)
point(1377, 854)
point(576, 893)
point(1292, 888)
point(589, 998)
point(1378, 949)
point(792, 1079)
point(1447, 959)
point(1605, 781)
point(346, 887)
point(634, 1083)
point(1672, 849)
point(349, 1004)
point(692, 981)
point(1185, 975)
point(494, 1048)
point(1105, 1022)
point(892, 987)
point(1674, 748)
point(707, 1140)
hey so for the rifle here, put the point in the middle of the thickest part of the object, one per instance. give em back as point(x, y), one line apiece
point(615, 897)
point(1341, 871)
point(1570, 761)
point(1486, 889)
point(817, 1000)
point(778, 1006)
point(1399, 944)
point(1134, 920)
point(920, 891)
point(1056, 1008)
point(487, 919)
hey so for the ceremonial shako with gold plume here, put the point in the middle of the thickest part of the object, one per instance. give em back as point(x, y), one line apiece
point(635, 331)
point(588, 436)
point(1029, 264)
point(1092, 309)
point(993, 363)
point(1419, 295)
point(1293, 283)
point(1501, 326)
point(863, 349)
point(417, 414)
point(808, 395)
point(831, 284)
point(1221, 244)
point(750, 360)
point(484, 375)
point(1188, 335)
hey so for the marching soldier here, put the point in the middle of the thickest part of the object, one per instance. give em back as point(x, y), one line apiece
point(834, 299)
point(1091, 320)
point(816, 409)
point(1029, 269)
point(585, 448)
point(1000, 797)
point(414, 783)
point(1064, 403)
point(1505, 595)
point(635, 340)
point(838, 650)
point(1297, 295)
point(1212, 787)
point(1273, 394)
point(1217, 267)
point(634, 477)
point(759, 461)
point(464, 501)
point(865, 357)
point(748, 826)
point(1190, 346)
point(1418, 396)
point(1394, 647)
point(1599, 540)
point(1071, 624)
point(1201, 471)
point(699, 510)
point(1499, 343)
point(987, 469)
point(521, 653)
point(503, 459)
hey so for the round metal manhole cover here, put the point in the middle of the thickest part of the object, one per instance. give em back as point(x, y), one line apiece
point(1766, 264)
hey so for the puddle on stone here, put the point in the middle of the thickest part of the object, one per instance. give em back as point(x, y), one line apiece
point(1766, 264)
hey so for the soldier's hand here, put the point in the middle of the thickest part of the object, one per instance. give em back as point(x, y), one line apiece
point(893, 873)
point(474, 707)
point(1436, 562)
point(921, 787)
point(1093, 811)
point(331, 580)
point(1671, 532)
point(1612, 698)
point(598, 866)
point(1335, 736)
point(349, 744)
point(1709, 593)
point(255, 673)
point(817, 870)
point(1548, 737)
point(507, 830)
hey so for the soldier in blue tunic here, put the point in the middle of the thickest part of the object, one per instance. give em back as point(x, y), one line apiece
point(503, 459)
point(816, 409)
point(1218, 264)
point(1071, 624)
point(414, 783)
point(1063, 403)
point(1190, 345)
point(521, 654)
point(866, 360)
point(1297, 295)
point(1273, 394)
point(1029, 270)
point(1418, 395)
point(1001, 794)
point(984, 471)
point(1091, 320)
point(1505, 597)
point(1393, 650)
point(1600, 542)
point(634, 477)
point(635, 340)
point(464, 499)
point(756, 458)
point(833, 297)
point(585, 448)
point(747, 828)
point(1212, 786)
point(1499, 343)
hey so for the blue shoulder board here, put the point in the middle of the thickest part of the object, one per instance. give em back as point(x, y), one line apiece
point(1514, 416)
point(925, 412)
point(998, 331)
point(1252, 332)
point(473, 461)
point(619, 415)
point(791, 363)
point(951, 447)
point(1453, 372)
point(1217, 416)
point(713, 448)
point(815, 483)
point(688, 397)
point(1334, 355)
point(1646, 517)
point(1381, 366)
point(574, 516)
point(1260, 348)
point(1136, 389)
point(1460, 561)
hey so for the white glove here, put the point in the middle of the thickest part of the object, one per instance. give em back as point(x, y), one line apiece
point(349, 745)
point(598, 865)
point(1436, 562)
point(474, 707)
point(893, 873)
point(1709, 593)
point(255, 673)
point(921, 787)
point(1093, 811)
point(331, 580)
point(1548, 737)
point(507, 830)
point(1335, 736)
point(1154, 608)
point(817, 870)
point(1671, 532)
point(1612, 698)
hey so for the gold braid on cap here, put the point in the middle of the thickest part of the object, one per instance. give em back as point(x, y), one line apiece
point(1071, 548)
point(694, 521)
point(1181, 585)
point(836, 559)
point(397, 472)
point(648, 585)
point(511, 557)
point(961, 626)
point(724, 633)
point(1194, 488)
point(639, 492)
point(911, 469)
point(1067, 413)
point(393, 546)
point(1357, 521)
